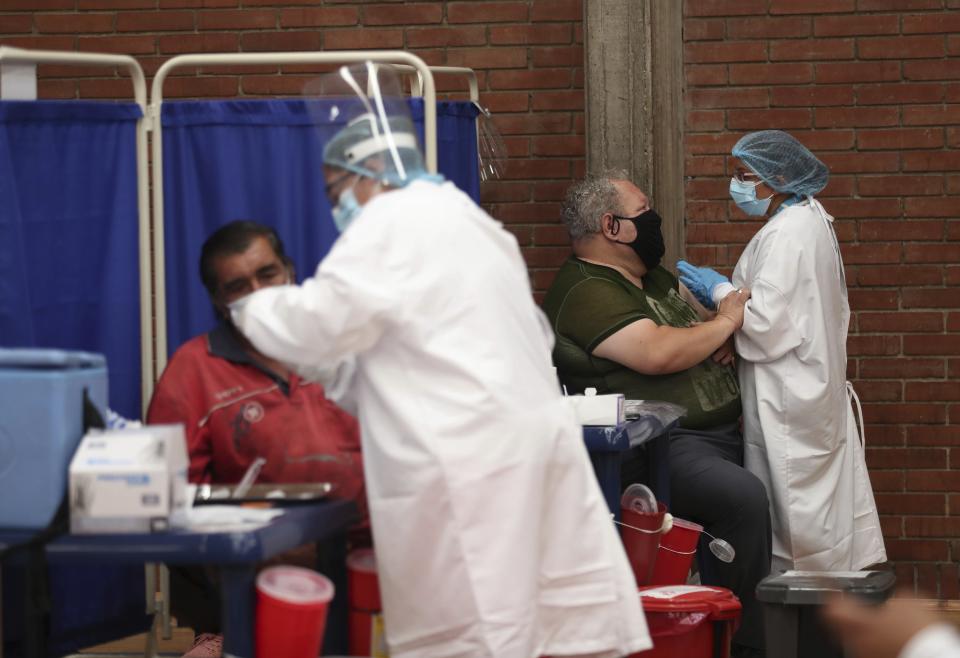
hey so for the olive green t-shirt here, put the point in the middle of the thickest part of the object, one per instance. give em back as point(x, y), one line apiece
point(588, 303)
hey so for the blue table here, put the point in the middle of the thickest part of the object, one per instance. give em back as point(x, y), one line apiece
point(606, 443)
point(234, 553)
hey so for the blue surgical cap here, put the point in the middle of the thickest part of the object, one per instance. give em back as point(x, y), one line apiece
point(782, 162)
point(393, 139)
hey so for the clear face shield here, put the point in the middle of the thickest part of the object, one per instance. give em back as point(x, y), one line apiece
point(374, 134)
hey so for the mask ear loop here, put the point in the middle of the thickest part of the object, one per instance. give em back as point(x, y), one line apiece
point(614, 223)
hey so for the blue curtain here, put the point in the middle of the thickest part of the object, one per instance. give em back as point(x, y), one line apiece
point(261, 160)
point(68, 234)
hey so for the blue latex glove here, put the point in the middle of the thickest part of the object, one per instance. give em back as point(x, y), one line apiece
point(700, 281)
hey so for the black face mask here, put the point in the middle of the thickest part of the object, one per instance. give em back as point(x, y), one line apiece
point(649, 241)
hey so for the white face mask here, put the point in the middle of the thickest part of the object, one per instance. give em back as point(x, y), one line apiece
point(744, 194)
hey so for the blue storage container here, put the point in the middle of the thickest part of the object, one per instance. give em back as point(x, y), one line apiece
point(41, 424)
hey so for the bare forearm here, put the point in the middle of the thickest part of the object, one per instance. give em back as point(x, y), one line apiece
point(676, 349)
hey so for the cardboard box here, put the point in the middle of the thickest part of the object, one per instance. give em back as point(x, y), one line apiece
point(128, 480)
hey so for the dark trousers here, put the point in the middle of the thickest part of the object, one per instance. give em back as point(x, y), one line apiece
point(709, 486)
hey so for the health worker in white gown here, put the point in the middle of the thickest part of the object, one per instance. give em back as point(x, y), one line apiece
point(491, 533)
point(801, 435)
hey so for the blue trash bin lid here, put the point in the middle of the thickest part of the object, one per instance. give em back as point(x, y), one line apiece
point(33, 358)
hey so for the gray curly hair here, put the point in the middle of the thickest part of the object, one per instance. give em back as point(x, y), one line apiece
point(587, 201)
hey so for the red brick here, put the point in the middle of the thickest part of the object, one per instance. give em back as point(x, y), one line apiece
point(403, 14)
point(811, 96)
point(556, 10)
point(808, 49)
point(953, 141)
point(716, 233)
point(123, 45)
point(709, 143)
point(926, 115)
point(870, 208)
point(952, 276)
point(900, 322)
point(848, 117)
point(931, 435)
point(872, 299)
point(897, 5)
point(907, 549)
point(550, 191)
point(855, 25)
point(901, 186)
point(873, 345)
point(499, 191)
point(557, 56)
point(16, 23)
point(709, 29)
point(199, 43)
point(910, 503)
point(781, 119)
point(949, 581)
point(891, 526)
point(931, 161)
point(487, 12)
point(724, 7)
point(926, 207)
point(835, 72)
point(931, 253)
point(527, 79)
point(728, 51)
point(705, 120)
point(505, 101)
point(56, 89)
point(728, 97)
point(543, 256)
point(900, 93)
point(39, 43)
point(953, 322)
point(533, 124)
point(906, 413)
point(775, 74)
point(900, 47)
point(932, 526)
point(354, 39)
point(67, 71)
point(915, 275)
point(842, 186)
point(75, 23)
point(811, 6)
point(929, 297)
point(900, 368)
point(845, 163)
point(884, 435)
point(237, 19)
point(880, 391)
point(530, 34)
point(186, 87)
point(559, 145)
point(274, 85)
point(899, 138)
point(327, 16)
point(887, 480)
point(517, 147)
point(211, 4)
point(932, 23)
point(104, 88)
point(909, 458)
point(953, 45)
point(533, 169)
point(765, 27)
point(932, 345)
point(926, 391)
point(706, 75)
point(713, 165)
point(706, 211)
point(154, 21)
point(114, 4)
point(557, 100)
point(551, 235)
point(488, 58)
point(37, 5)
point(931, 70)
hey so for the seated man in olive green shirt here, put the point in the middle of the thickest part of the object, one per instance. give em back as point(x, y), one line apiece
point(624, 324)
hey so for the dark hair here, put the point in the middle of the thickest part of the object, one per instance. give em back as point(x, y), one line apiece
point(234, 238)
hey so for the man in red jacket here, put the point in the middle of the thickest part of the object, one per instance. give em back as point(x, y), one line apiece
point(237, 404)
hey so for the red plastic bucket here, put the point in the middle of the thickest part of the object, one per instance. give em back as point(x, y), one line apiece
point(641, 534)
point(690, 621)
point(292, 607)
point(363, 595)
point(675, 556)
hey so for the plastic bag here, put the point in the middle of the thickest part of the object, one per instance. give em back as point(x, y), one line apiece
point(647, 419)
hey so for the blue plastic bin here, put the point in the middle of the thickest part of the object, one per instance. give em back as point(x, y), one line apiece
point(41, 424)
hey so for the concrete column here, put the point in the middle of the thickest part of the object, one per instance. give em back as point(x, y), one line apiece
point(634, 101)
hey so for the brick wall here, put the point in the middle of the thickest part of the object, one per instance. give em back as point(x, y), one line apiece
point(873, 87)
point(528, 55)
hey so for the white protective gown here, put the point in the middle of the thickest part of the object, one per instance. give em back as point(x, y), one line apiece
point(492, 537)
point(800, 435)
